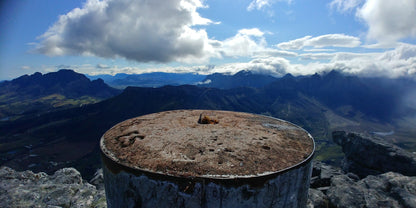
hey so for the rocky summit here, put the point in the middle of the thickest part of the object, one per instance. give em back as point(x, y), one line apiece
point(330, 188)
point(372, 155)
point(65, 188)
point(374, 173)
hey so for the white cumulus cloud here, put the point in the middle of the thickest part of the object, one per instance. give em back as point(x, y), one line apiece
point(245, 43)
point(389, 21)
point(398, 62)
point(275, 66)
point(328, 40)
point(249, 43)
point(139, 30)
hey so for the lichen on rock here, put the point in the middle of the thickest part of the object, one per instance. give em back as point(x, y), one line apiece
point(65, 188)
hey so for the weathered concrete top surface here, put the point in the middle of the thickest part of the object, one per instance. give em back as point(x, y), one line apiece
point(239, 145)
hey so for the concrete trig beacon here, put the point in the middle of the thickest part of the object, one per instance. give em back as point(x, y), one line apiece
point(172, 159)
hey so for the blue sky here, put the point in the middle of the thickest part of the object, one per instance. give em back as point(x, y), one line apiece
point(364, 37)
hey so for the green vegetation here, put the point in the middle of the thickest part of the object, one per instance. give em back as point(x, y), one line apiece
point(13, 107)
point(330, 153)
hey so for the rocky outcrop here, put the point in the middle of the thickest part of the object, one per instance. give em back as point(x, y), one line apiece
point(331, 188)
point(385, 190)
point(322, 174)
point(365, 180)
point(317, 199)
point(372, 156)
point(65, 188)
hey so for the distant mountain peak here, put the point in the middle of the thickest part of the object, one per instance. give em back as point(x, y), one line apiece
point(65, 81)
point(243, 73)
point(333, 74)
point(288, 76)
point(243, 78)
point(37, 74)
point(66, 70)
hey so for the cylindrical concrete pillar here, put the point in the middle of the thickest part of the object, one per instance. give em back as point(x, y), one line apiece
point(202, 158)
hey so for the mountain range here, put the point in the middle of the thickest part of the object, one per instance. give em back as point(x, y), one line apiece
point(154, 79)
point(318, 103)
point(240, 79)
point(36, 93)
point(159, 79)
